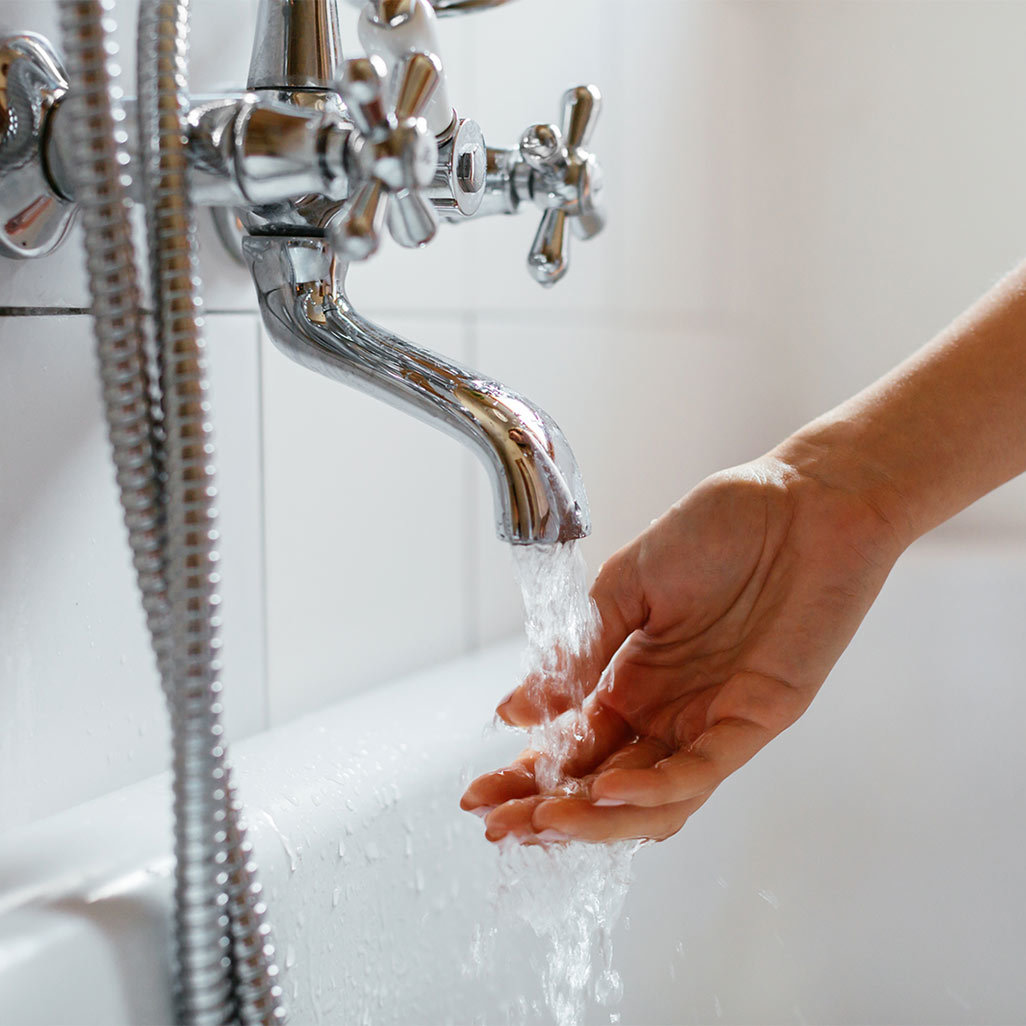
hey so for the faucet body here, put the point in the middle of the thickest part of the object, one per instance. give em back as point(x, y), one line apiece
point(538, 492)
point(315, 157)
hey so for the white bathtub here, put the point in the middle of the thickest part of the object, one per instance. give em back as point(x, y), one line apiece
point(867, 868)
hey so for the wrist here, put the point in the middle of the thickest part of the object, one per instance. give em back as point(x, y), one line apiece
point(862, 494)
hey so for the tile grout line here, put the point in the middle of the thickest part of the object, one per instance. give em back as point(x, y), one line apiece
point(661, 320)
point(83, 311)
point(43, 311)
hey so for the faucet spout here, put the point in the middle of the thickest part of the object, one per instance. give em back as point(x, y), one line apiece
point(537, 486)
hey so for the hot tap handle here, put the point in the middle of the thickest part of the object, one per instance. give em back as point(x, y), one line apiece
point(565, 180)
point(393, 158)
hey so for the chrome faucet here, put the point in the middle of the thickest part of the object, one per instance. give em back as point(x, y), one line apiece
point(312, 161)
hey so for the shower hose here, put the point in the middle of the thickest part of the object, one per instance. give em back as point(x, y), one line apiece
point(157, 407)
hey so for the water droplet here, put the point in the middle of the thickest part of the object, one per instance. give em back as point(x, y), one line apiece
point(609, 987)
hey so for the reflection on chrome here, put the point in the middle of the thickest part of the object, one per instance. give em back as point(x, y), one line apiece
point(539, 495)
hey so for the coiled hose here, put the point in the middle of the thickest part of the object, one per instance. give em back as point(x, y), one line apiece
point(158, 413)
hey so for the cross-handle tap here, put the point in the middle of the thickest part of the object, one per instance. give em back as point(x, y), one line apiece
point(391, 156)
point(565, 181)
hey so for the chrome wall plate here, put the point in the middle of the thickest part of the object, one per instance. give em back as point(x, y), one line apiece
point(34, 217)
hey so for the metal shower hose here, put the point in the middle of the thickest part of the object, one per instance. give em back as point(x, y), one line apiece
point(157, 407)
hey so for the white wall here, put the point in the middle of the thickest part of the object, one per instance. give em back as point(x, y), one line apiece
point(799, 194)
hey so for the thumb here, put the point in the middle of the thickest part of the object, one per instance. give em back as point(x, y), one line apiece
point(622, 609)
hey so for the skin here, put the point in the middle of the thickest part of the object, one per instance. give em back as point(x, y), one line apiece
point(721, 621)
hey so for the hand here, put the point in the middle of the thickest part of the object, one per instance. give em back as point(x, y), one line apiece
point(717, 627)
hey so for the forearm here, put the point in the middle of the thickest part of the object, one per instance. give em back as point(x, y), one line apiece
point(942, 429)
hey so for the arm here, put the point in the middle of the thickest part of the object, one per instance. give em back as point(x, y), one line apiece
point(939, 431)
point(720, 622)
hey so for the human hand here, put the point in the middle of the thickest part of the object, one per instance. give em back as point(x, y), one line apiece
point(718, 625)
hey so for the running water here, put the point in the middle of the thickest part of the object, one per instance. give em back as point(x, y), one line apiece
point(570, 895)
point(560, 621)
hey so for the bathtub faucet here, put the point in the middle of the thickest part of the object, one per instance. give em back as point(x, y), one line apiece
point(409, 160)
point(307, 167)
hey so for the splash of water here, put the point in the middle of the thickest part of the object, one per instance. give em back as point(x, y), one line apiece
point(569, 895)
point(560, 621)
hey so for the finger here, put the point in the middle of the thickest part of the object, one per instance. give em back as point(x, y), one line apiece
point(492, 789)
point(641, 753)
point(621, 608)
point(591, 739)
point(514, 817)
point(579, 820)
point(713, 756)
point(602, 732)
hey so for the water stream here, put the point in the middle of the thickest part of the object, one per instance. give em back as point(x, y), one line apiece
point(569, 895)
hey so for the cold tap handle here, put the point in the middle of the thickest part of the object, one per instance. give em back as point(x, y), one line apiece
point(581, 108)
point(550, 251)
point(541, 146)
point(565, 181)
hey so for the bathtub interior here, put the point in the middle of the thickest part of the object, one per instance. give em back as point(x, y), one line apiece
point(865, 868)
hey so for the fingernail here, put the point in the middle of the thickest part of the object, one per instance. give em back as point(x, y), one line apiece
point(500, 709)
point(608, 802)
point(494, 835)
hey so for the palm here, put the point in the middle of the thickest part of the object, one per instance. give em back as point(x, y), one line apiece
point(734, 607)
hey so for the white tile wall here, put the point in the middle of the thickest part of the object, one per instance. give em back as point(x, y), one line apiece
point(80, 704)
point(799, 193)
point(79, 700)
point(367, 521)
